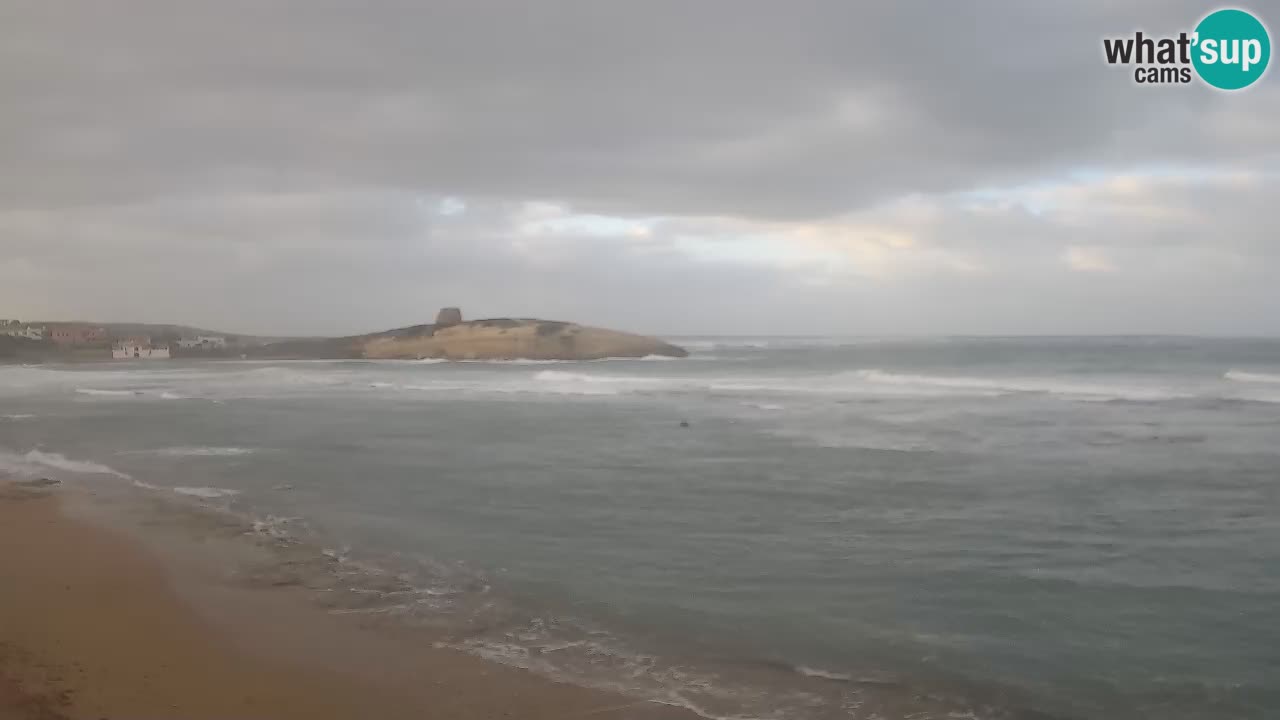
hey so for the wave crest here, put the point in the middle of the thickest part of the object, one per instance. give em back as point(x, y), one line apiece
point(208, 493)
point(1252, 377)
point(35, 461)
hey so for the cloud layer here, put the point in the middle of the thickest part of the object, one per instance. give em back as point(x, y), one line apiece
point(318, 166)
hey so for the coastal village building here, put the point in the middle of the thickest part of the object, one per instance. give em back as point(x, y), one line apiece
point(203, 342)
point(77, 334)
point(13, 328)
point(139, 348)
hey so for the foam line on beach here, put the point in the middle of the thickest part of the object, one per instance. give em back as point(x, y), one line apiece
point(37, 461)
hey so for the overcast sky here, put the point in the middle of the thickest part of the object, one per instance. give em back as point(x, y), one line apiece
point(674, 167)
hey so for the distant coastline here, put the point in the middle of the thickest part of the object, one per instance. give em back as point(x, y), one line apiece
point(449, 337)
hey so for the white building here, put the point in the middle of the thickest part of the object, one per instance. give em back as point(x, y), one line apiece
point(139, 348)
point(13, 328)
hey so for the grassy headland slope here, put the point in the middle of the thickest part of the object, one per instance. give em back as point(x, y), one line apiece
point(509, 339)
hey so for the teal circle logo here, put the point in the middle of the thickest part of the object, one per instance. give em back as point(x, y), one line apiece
point(1232, 49)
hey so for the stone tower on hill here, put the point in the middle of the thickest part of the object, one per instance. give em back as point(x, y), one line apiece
point(448, 317)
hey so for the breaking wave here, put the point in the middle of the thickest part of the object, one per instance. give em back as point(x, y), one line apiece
point(199, 451)
point(162, 394)
point(1252, 377)
point(207, 493)
point(35, 461)
point(999, 386)
point(823, 674)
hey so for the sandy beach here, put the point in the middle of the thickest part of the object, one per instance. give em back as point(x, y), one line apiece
point(96, 623)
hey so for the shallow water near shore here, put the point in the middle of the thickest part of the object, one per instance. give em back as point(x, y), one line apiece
point(848, 528)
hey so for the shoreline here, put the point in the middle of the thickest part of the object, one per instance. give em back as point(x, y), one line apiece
point(98, 622)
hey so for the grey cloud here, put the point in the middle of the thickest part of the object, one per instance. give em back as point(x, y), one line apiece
point(270, 165)
point(757, 108)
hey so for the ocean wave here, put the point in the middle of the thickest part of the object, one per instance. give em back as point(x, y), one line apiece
point(857, 382)
point(208, 493)
point(35, 461)
point(199, 451)
point(823, 674)
point(545, 382)
point(152, 392)
point(589, 384)
point(723, 344)
point(563, 376)
point(107, 393)
point(438, 387)
point(566, 652)
point(18, 416)
point(517, 361)
point(1049, 386)
point(303, 376)
point(1251, 377)
point(534, 361)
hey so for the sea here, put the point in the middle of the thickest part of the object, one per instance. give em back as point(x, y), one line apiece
point(772, 528)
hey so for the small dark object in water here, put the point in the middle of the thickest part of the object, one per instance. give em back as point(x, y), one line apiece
point(684, 423)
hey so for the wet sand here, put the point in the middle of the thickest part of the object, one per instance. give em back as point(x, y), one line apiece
point(96, 623)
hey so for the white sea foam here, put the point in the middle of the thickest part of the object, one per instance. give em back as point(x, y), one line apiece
point(162, 394)
point(1252, 377)
point(562, 376)
point(517, 361)
point(200, 451)
point(561, 381)
point(62, 462)
point(36, 461)
point(206, 492)
point(722, 344)
point(540, 648)
point(822, 674)
point(282, 375)
point(532, 361)
point(274, 525)
point(1046, 385)
point(437, 387)
point(18, 416)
